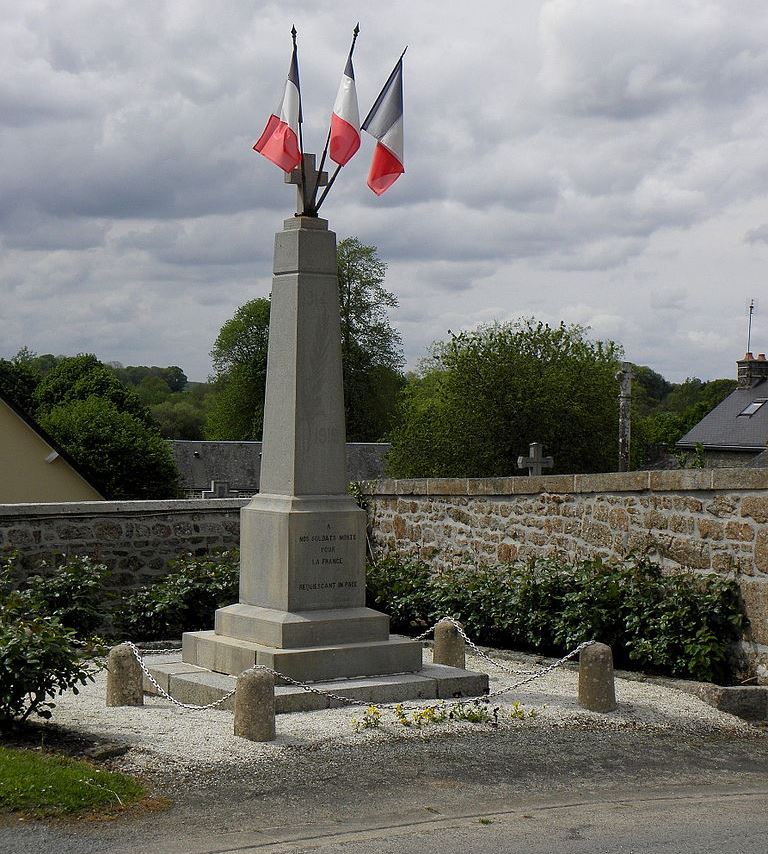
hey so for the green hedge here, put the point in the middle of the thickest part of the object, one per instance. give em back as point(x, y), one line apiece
point(680, 623)
point(184, 600)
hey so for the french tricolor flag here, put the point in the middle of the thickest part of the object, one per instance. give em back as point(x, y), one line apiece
point(345, 120)
point(280, 140)
point(385, 123)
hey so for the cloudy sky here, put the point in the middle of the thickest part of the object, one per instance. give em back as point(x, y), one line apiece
point(597, 161)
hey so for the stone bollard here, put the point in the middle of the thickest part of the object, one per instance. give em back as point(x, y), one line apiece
point(596, 687)
point(125, 680)
point(255, 706)
point(449, 645)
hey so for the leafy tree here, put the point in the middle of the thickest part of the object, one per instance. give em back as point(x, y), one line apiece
point(18, 381)
point(371, 348)
point(178, 420)
point(80, 377)
point(240, 373)
point(119, 453)
point(484, 395)
point(371, 355)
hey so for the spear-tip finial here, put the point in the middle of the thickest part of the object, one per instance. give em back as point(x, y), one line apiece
point(356, 29)
point(293, 33)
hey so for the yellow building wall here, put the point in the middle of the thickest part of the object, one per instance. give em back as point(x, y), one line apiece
point(25, 476)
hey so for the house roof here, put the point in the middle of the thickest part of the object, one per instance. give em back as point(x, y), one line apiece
point(725, 428)
point(239, 463)
point(49, 440)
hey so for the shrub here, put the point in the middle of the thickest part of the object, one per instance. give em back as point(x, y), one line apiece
point(681, 622)
point(402, 589)
point(184, 600)
point(72, 591)
point(39, 659)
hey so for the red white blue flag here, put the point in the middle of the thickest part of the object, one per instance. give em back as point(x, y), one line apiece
point(385, 123)
point(345, 120)
point(280, 140)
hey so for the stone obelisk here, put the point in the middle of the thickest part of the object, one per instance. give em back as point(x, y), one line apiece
point(302, 573)
point(302, 538)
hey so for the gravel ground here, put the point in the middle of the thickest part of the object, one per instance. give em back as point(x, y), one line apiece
point(166, 741)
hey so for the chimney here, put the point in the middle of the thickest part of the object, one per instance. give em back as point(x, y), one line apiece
point(752, 370)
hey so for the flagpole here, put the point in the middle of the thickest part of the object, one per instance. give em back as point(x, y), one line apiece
point(327, 189)
point(313, 207)
point(301, 136)
point(384, 88)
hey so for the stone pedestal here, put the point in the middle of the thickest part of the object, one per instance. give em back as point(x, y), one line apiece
point(302, 574)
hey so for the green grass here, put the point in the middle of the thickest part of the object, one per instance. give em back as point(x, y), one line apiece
point(42, 784)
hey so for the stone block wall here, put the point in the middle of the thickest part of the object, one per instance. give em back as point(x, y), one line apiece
point(134, 538)
point(712, 520)
point(707, 520)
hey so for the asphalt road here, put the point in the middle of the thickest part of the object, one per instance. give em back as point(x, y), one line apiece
point(522, 791)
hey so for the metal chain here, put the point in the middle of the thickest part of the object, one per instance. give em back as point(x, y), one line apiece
point(530, 676)
point(163, 693)
point(145, 651)
point(475, 647)
point(213, 705)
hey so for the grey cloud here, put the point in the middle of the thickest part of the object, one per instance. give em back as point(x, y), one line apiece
point(757, 235)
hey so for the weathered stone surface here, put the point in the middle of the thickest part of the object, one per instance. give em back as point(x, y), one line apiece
point(740, 478)
point(124, 678)
point(739, 531)
point(636, 481)
point(755, 506)
point(255, 706)
point(754, 592)
point(596, 681)
point(665, 481)
point(761, 551)
point(449, 645)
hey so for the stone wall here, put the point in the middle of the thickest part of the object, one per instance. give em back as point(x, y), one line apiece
point(134, 538)
point(705, 520)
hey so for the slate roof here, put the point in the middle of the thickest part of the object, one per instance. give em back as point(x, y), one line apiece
point(239, 463)
point(724, 429)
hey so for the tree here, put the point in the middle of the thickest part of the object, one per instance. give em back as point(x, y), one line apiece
point(484, 395)
point(240, 374)
point(81, 377)
point(178, 420)
point(105, 427)
point(371, 355)
point(119, 453)
point(18, 381)
point(371, 348)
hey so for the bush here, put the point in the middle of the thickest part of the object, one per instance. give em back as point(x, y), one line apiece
point(184, 600)
point(72, 591)
point(680, 623)
point(39, 659)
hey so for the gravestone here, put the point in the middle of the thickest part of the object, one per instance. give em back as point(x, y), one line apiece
point(535, 462)
point(219, 489)
point(301, 607)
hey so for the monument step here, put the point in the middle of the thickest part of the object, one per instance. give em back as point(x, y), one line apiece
point(190, 684)
point(288, 630)
point(308, 664)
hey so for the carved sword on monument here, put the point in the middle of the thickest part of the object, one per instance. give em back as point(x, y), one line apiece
point(301, 606)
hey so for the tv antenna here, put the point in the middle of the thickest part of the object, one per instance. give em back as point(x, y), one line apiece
point(751, 308)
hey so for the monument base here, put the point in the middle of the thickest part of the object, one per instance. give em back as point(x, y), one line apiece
point(190, 683)
point(306, 664)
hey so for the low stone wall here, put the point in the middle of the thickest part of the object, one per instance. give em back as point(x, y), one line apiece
point(706, 520)
point(134, 538)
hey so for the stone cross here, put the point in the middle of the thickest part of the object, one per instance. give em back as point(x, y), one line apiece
point(219, 489)
point(310, 176)
point(535, 461)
